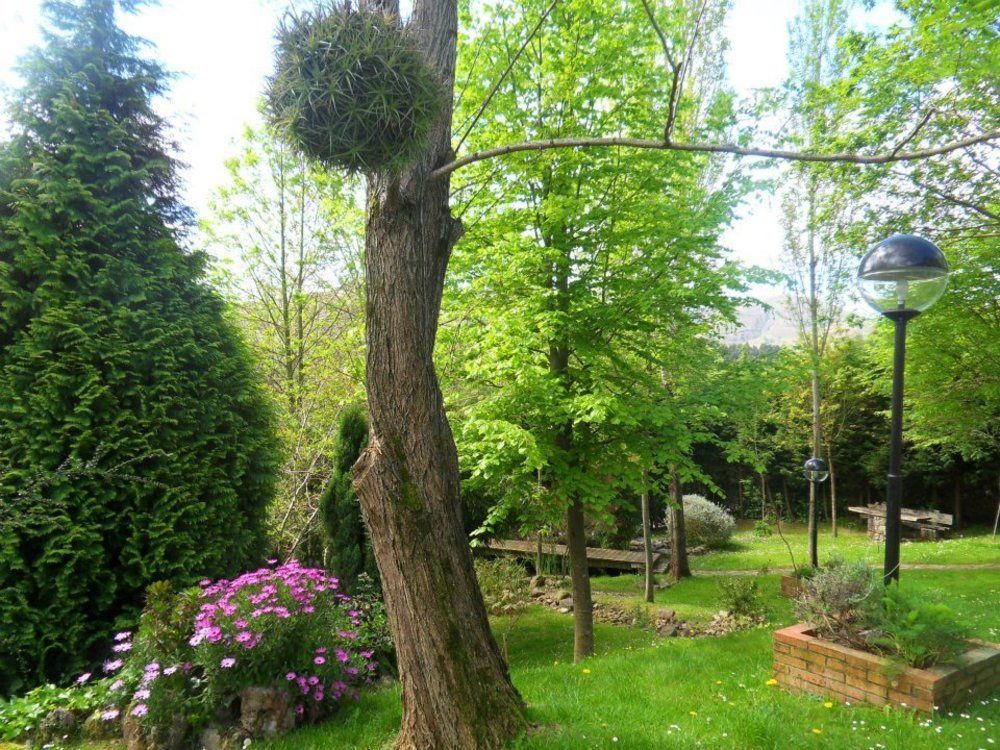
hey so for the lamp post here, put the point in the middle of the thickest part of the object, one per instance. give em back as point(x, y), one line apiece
point(816, 472)
point(900, 277)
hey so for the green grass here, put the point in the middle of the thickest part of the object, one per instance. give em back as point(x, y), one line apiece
point(749, 552)
point(687, 693)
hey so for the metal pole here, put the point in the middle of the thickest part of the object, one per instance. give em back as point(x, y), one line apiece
point(894, 491)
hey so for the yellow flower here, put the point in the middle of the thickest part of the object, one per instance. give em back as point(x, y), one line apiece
point(772, 681)
point(828, 704)
point(718, 682)
point(693, 713)
point(817, 731)
point(586, 670)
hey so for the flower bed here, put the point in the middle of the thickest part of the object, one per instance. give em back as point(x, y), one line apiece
point(804, 662)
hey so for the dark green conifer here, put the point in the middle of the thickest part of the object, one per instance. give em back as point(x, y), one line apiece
point(135, 443)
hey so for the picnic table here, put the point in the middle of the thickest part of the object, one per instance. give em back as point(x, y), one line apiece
point(928, 524)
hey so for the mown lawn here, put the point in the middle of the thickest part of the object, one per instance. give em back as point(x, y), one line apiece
point(749, 552)
point(644, 692)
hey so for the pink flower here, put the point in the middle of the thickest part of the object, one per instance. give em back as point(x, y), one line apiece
point(343, 656)
point(122, 647)
point(319, 660)
point(243, 636)
point(123, 636)
point(300, 709)
point(313, 680)
point(290, 676)
point(227, 662)
point(110, 715)
point(170, 670)
point(113, 664)
point(140, 709)
point(83, 678)
point(117, 685)
point(141, 695)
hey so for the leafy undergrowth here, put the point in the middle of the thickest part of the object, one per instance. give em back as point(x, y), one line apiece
point(647, 692)
point(746, 551)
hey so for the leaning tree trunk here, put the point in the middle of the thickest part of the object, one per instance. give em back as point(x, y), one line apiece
point(456, 689)
point(679, 567)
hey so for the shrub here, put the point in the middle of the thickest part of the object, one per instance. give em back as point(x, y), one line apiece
point(21, 716)
point(762, 528)
point(351, 89)
point(505, 590)
point(741, 596)
point(284, 626)
point(135, 441)
point(705, 522)
point(841, 603)
point(349, 551)
point(918, 632)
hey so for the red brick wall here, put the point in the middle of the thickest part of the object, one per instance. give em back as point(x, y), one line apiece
point(804, 663)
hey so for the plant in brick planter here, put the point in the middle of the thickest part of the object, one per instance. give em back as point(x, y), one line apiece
point(863, 642)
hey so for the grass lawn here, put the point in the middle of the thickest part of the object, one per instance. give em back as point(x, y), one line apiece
point(749, 552)
point(643, 692)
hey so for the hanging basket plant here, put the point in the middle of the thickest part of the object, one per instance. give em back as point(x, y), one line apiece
point(351, 89)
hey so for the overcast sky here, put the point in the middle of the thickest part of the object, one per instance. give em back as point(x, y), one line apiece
point(221, 51)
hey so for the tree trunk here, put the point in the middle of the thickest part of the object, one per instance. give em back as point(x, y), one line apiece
point(538, 554)
point(739, 495)
point(583, 606)
point(456, 690)
point(788, 497)
point(833, 491)
point(647, 540)
point(956, 508)
point(679, 567)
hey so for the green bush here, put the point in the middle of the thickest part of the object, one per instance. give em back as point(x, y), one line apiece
point(918, 632)
point(135, 443)
point(841, 603)
point(741, 596)
point(20, 717)
point(504, 585)
point(349, 551)
point(705, 522)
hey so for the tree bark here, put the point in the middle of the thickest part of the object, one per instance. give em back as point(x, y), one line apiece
point(956, 507)
point(583, 606)
point(833, 491)
point(647, 540)
point(679, 567)
point(456, 689)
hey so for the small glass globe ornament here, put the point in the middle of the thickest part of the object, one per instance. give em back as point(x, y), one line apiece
point(903, 274)
point(816, 470)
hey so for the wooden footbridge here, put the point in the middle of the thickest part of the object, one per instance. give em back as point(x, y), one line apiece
point(597, 557)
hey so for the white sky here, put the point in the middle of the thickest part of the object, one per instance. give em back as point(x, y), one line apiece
point(222, 50)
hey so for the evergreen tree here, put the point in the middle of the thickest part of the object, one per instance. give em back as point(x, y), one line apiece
point(350, 553)
point(135, 444)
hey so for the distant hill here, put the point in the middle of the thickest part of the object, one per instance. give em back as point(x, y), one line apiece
point(758, 324)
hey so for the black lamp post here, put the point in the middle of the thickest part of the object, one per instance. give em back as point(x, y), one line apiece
point(900, 277)
point(816, 472)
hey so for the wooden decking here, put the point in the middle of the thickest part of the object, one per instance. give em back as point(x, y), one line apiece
point(597, 557)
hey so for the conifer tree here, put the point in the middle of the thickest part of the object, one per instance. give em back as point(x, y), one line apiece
point(135, 443)
point(350, 552)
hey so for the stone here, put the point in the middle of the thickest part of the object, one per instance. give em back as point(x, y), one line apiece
point(537, 582)
point(96, 728)
point(566, 601)
point(666, 614)
point(562, 594)
point(538, 592)
point(138, 737)
point(565, 610)
point(669, 630)
point(265, 712)
point(59, 724)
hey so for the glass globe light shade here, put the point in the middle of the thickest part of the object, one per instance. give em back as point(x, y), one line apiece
point(903, 273)
point(816, 470)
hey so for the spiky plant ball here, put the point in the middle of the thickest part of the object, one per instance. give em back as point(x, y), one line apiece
point(351, 90)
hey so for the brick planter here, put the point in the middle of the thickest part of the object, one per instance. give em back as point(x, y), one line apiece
point(805, 663)
point(790, 586)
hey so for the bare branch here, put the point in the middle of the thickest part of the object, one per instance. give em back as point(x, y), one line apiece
point(503, 76)
point(713, 148)
point(913, 133)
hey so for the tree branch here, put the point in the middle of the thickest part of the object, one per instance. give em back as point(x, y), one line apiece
point(712, 148)
point(913, 133)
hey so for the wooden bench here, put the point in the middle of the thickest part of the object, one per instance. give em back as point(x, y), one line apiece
point(928, 524)
point(597, 557)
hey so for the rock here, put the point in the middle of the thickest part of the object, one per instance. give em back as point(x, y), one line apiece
point(58, 725)
point(265, 712)
point(565, 610)
point(96, 728)
point(566, 601)
point(668, 631)
point(538, 592)
point(562, 594)
point(666, 614)
point(537, 582)
point(137, 737)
